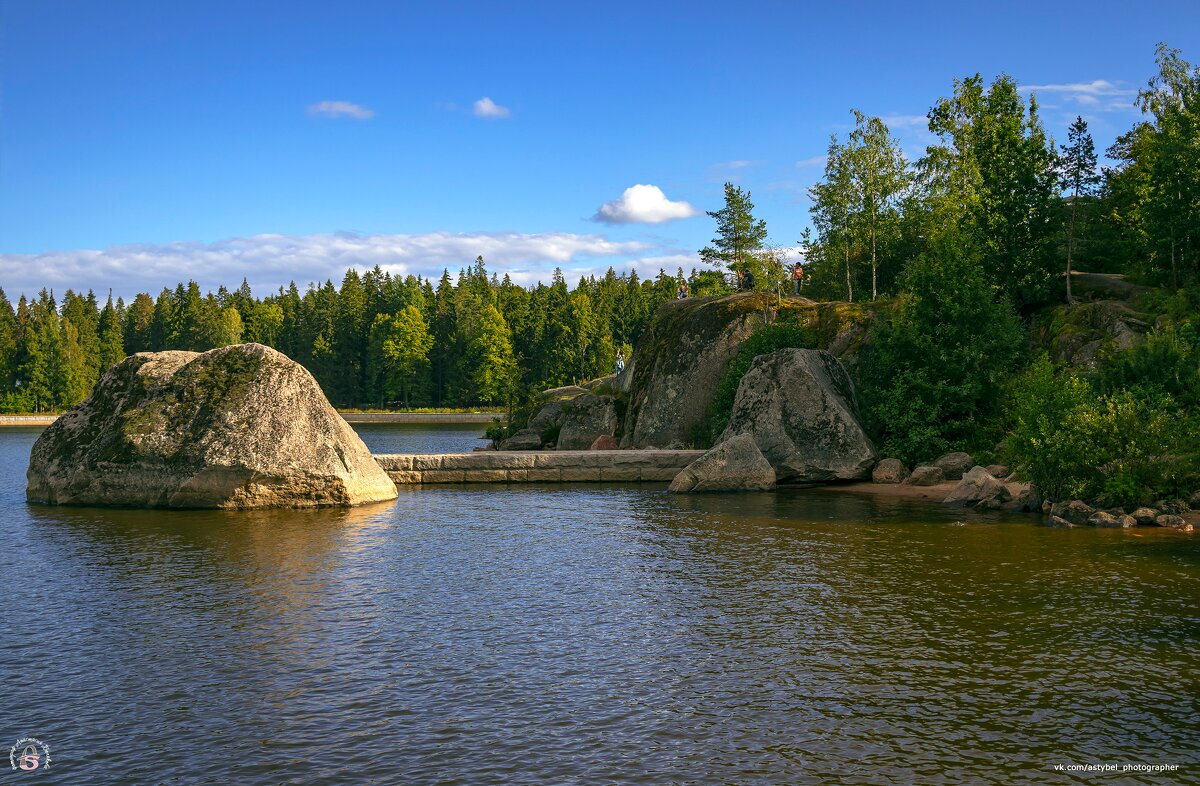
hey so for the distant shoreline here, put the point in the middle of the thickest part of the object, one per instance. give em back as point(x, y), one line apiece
point(350, 417)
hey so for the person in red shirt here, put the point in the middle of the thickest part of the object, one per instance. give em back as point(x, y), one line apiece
point(797, 276)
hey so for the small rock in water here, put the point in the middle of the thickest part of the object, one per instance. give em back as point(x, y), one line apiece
point(979, 489)
point(1173, 521)
point(734, 465)
point(1058, 521)
point(1145, 516)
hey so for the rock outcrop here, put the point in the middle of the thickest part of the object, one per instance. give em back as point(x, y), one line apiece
point(979, 489)
point(586, 418)
point(734, 465)
point(237, 427)
point(800, 407)
point(1076, 333)
point(680, 360)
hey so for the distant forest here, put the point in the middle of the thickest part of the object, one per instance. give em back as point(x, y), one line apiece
point(377, 340)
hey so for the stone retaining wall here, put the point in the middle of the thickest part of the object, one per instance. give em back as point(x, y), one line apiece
point(559, 466)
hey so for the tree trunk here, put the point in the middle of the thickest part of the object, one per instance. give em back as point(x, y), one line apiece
point(1071, 244)
point(874, 263)
point(849, 286)
point(1174, 276)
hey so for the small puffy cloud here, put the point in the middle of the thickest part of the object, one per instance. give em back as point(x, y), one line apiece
point(486, 107)
point(643, 204)
point(271, 261)
point(340, 109)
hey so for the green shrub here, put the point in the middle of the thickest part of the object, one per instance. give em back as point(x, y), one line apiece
point(932, 369)
point(1166, 364)
point(1119, 449)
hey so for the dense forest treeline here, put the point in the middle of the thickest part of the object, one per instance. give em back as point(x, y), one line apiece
point(959, 252)
point(376, 340)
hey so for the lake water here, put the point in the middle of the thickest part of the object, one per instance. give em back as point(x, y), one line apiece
point(591, 635)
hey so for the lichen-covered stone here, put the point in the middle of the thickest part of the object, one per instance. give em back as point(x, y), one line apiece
point(979, 489)
point(585, 418)
point(1145, 516)
point(800, 407)
point(734, 465)
point(889, 470)
point(955, 465)
point(925, 475)
point(237, 427)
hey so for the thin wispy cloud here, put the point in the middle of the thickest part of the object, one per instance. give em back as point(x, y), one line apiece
point(894, 122)
point(340, 109)
point(1099, 95)
point(812, 161)
point(271, 261)
point(643, 204)
point(487, 108)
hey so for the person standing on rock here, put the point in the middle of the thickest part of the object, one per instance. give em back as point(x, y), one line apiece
point(748, 280)
point(620, 360)
point(797, 276)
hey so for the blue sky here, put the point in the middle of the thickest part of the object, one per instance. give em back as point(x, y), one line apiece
point(143, 143)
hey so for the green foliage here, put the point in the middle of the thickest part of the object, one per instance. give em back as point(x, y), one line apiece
point(1163, 367)
point(763, 341)
point(739, 235)
point(1120, 448)
point(931, 371)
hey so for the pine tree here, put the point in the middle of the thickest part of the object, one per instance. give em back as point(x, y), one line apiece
point(1077, 169)
point(739, 234)
point(112, 337)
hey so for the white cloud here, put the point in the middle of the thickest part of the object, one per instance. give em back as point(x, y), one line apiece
point(271, 261)
point(643, 204)
point(1098, 95)
point(1095, 87)
point(812, 161)
point(486, 107)
point(340, 109)
point(905, 121)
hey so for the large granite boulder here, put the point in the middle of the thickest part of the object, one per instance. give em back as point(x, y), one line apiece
point(237, 427)
point(979, 489)
point(681, 359)
point(800, 407)
point(734, 465)
point(584, 419)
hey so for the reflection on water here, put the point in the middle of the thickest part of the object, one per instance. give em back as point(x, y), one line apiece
point(592, 634)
